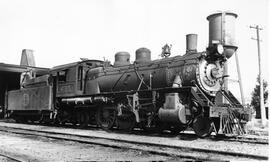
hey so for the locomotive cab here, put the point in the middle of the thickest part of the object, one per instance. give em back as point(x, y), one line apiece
point(69, 79)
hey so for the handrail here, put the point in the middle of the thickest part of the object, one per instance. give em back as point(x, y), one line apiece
point(210, 102)
point(225, 94)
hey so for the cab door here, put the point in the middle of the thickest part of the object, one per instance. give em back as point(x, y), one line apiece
point(80, 79)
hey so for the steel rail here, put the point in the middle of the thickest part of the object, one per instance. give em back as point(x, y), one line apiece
point(219, 137)
point(226, 138)
point(186, 135)
point(11, 158)
point(182, 135)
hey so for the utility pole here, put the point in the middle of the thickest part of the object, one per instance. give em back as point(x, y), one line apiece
point(263, 117)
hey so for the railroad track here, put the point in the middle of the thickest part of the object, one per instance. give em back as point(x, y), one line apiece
point(192, 135)
point(13, 157)
point(10, 158)
point(229, 138)
point(187, 152)
point(183, 135)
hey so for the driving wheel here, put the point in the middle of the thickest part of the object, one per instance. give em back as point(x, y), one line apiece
point(106, 117)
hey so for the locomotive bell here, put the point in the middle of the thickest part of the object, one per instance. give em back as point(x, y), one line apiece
point(122, 58)
point(166, 50)
point(222, 31)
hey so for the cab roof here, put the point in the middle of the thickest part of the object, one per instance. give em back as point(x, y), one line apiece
point(69, 65)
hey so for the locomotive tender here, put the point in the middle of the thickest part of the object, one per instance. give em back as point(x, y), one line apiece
point(171, 93)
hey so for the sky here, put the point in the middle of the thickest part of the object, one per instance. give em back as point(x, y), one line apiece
point(63, 31)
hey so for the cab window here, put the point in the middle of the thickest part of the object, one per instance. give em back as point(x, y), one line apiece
point(62, 76)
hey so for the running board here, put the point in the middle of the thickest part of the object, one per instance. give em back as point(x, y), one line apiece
point(231, 98)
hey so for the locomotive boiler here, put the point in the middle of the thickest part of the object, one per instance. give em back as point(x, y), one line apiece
point(167, 94)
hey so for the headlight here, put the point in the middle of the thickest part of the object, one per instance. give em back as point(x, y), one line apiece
point(220, 49)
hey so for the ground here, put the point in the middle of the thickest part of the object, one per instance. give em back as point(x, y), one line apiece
point(32, 148)
point(44, 149)
point(255, 127)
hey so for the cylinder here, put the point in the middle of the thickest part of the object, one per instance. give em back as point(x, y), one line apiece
point(168, 115)
point(143, 55)
point(222, 30)
point(122, 58)
point(173, 115)
point(191, 43)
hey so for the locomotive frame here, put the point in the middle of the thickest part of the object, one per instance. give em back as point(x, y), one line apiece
point(67, 102)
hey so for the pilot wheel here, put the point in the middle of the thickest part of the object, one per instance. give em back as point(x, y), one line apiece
point(202, 126)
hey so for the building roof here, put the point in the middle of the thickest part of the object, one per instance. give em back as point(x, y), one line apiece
point(11, 68)
point(19, 69)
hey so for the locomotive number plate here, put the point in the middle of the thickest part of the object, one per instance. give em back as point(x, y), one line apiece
point(25, 101)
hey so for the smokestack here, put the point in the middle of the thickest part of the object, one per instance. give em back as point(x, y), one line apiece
point(27, 58)
point(191, 43)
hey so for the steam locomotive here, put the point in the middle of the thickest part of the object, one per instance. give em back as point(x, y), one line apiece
point(171, 93)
